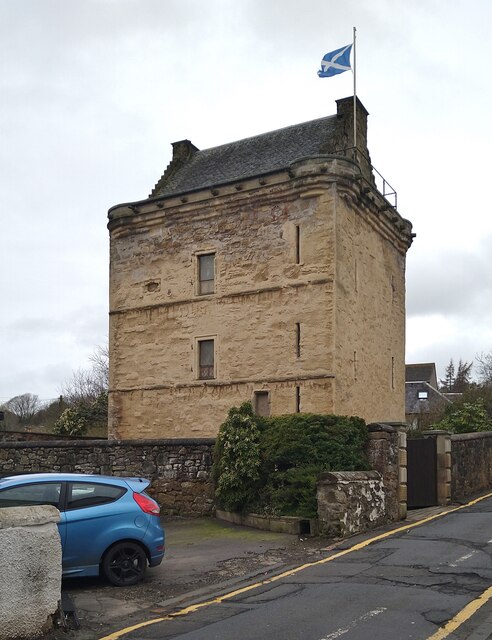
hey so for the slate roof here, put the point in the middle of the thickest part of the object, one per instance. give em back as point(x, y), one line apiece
point(250, 157)
point(424, 372)
point(435, 400)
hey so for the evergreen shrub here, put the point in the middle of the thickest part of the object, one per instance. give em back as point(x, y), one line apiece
point(75, 421)
point(275, 469)
point(237, 458)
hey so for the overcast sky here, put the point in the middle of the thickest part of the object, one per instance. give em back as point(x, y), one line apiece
point(92, 93)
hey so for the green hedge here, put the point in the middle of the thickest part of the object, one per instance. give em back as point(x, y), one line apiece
point(271, 465)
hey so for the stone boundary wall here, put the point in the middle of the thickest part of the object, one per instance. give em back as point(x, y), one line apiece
point(31, 561)
point(350, 502)
point(471, 464)
point(37, 436)
point(179, 470)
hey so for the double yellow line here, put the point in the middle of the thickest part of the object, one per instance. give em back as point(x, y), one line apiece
point(461, 617)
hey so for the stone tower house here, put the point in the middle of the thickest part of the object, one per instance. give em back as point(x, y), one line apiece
point(269, 269)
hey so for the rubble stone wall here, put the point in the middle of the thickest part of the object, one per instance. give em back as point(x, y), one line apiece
point(471, 464)
point(179, 470)
point(350, 502)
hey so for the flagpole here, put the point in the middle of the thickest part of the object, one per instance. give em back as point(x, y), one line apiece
point(355, 100)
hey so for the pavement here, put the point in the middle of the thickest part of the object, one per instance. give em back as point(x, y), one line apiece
point(203, 556)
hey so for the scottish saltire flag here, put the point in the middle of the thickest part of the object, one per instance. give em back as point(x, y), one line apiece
point(335, 62)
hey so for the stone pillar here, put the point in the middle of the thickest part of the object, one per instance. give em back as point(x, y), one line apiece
point(402, 484)
point(387, 453)
point(443, 453)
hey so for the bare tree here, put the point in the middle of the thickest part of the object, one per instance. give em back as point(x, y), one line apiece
point(484, 368)
point(24, 406)
point(100, 365)
point(85, 385)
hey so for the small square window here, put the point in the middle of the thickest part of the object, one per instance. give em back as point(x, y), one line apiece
point(423, 395)
point(206, 359)
point(206, 273)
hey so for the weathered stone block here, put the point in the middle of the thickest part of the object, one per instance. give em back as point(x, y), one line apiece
point(30, 557)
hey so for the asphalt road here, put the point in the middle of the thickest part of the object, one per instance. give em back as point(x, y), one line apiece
point(203, 555)
point(406, 584)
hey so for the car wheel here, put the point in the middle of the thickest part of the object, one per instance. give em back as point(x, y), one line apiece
point(124, 564)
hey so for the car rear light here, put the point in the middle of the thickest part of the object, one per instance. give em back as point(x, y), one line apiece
point(146, 504)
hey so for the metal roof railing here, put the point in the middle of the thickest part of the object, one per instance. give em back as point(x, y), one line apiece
point(380, 183)
point(384, 187)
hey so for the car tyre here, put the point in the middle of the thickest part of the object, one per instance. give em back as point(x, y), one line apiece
point(124, 564)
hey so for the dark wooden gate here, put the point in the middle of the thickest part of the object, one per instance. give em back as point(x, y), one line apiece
point(421, 473)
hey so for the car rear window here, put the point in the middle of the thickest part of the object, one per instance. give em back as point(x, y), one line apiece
point(31, 494)
point(91, 494)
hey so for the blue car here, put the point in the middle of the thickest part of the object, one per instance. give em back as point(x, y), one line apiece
point(107, 525)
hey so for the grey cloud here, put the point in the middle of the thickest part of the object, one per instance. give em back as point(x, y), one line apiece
point(44, 381)
point(84, 320)
point(94, 91)
point(451, 282)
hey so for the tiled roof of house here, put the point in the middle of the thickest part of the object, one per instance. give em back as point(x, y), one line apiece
point(249, 157)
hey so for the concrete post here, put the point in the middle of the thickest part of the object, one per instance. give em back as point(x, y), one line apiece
point(30, 581)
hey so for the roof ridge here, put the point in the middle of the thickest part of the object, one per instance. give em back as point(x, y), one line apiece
point(268, 133)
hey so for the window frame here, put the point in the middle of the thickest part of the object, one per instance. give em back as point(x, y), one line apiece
point(198, 365)
point(70, 484)
point(257, 393)
point(199, 282)
point(61, 498)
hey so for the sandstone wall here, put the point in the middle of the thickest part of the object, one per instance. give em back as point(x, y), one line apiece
point(370, 318)
point(261, 294)
point(198, 410)
point(178, 469)
point(303, 252)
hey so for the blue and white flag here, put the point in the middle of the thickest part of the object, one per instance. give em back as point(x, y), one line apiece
point(335, 62)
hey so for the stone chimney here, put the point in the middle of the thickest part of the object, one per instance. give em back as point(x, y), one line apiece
point(345, 134)
point(183, 150)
